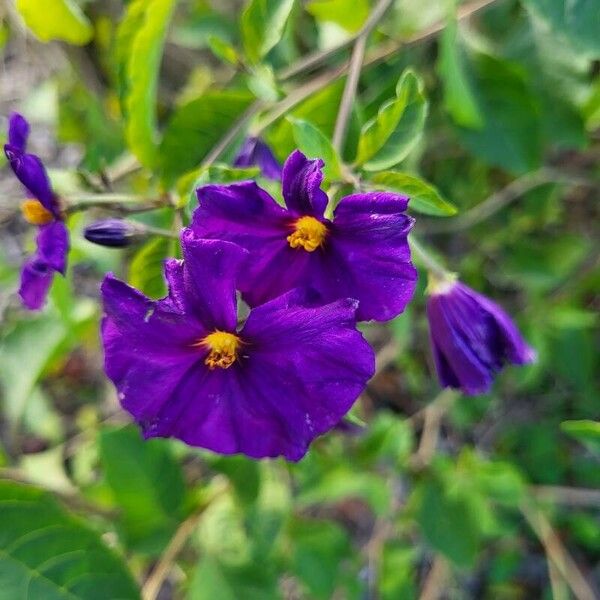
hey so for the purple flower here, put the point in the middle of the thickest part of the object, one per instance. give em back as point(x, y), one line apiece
point(472, 337)
point(40, 209)
point(114, 233)
point(254, 152)
point(184, 368)
point(361, 253)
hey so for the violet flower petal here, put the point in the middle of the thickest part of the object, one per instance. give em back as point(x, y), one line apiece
point(301, 185)
point(53, 245)
point(255, 152)
point(36, 278)
point(18, 131)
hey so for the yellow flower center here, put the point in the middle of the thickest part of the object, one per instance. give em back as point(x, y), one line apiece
point(35, 213)
point(309, 233)
point(223, 348)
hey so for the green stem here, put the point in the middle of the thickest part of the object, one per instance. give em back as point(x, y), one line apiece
point(147, 229)
point(427, 260)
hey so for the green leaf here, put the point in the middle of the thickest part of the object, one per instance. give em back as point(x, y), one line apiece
point(511, 136)
point(25, 351)
point(448, 522)
point(223, 50)
point(147, 483)
point(388, 138)
point(263, 23)
point(585, 431)
point(319, 547)
point(151, 19)
point(47, 553)
point(315, 144)
point(458, 96)
point(195, 128)
point(424, 198)
point(578, 21)
point(146, 268)
point(56, 20)
point(349, 14)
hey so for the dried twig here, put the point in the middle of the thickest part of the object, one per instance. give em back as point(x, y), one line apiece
point(433, 587)
point(557, 553)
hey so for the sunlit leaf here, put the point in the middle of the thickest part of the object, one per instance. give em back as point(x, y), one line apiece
point(388, 138)
point(349, 14)
point(423, 196)
point(56, 20)
point(263, 23)
point(586, 432)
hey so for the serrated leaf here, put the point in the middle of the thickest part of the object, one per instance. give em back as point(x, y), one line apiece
point(312, 142)
point(143, 65)
point(263, 23)
point(146, 268)
point(195, 128)
point(147, 483)
point(47, 553)
point(388, 138)
point(424, 197)
point(56, 20)
point(458, 95)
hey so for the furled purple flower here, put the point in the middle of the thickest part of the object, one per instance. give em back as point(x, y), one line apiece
point(254, 152)
point(183, 368)
point(361, 253)
point(472, 337)
point(40, 209)
point(114, 233)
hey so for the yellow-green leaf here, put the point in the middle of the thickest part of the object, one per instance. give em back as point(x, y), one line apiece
point(56, 20)
point(424, 197)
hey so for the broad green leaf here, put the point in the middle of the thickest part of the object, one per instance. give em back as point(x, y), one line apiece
point(424, 197)
point(213, 580)
point(147, 483)
point(56, 20)
point(319, 548)
point(349, 14)
point(263, 23)
point(511, 136)
point(315, 144)
point(46, 553)
point(397, 571)
point(448, 522)
point(586, 432)
point(145, 54)
point(578, 21)
point(388, 138)
point(146, 268)
point(458, 96)
point(195, 128)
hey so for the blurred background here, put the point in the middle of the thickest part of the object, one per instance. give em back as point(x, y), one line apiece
point(424, 494)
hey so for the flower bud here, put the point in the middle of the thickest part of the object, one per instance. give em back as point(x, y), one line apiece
point(114, 233)
point(472, 337)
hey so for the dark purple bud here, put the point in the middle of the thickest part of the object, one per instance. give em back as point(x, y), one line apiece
point(472, 337)
point(254, 152)
point(114, 233)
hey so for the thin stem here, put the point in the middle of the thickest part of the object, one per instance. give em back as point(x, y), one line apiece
point(430, 263)
point(122, 203)
point(557, 553)
point(502, 198)
point(379, 54)
point(354, 69)
point(146, 229)
point(232, 133)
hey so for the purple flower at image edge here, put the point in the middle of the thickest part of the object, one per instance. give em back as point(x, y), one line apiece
point(472, 337)
point(40, 209)
point(256, 153)
point(183, 367)
point(362, 252)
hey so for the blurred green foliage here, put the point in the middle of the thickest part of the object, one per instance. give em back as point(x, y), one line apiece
point(488, 120)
